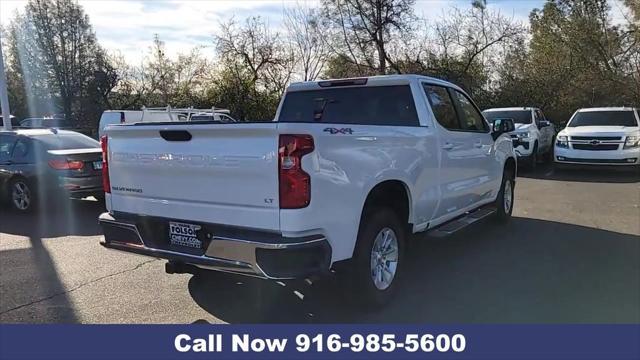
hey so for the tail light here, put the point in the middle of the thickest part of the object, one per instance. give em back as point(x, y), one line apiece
point(64, 164)
point(295, 183)
point(106, 184)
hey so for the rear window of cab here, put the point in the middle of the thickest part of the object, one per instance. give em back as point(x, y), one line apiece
point(367, 105)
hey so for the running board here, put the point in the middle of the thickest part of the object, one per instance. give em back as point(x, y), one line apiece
point(460, 223)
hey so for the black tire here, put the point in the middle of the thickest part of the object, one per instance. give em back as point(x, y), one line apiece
point(551, 152)
point(21, 195)
point(548, 156)
point(532, 161)
point(358, 277)
point(503, 214)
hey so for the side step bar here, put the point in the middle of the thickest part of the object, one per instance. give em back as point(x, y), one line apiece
point(462, 222)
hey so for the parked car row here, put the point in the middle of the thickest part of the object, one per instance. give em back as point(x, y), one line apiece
point(593, 136)
point(326, 185)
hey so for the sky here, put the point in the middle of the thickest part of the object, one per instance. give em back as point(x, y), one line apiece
point(128, 26)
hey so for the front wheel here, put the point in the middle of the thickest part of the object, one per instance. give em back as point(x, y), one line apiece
point(372, 275)
point(505, 199)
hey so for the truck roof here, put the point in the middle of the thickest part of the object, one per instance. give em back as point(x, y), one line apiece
point(378, 80)
point(512, 108)
point(619, 108)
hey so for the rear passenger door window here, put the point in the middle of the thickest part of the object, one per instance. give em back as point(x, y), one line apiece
point(6, 147)
point(470, 117)
point(21, 151)
point(442, 106)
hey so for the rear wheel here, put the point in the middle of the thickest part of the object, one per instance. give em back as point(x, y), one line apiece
point(21, 196)
point(372, 275)
point(504, 201)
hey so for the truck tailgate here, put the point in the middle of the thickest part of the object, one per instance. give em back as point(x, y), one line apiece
point(214, 173)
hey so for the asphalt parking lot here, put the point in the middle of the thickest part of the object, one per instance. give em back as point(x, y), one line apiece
point(570, 254)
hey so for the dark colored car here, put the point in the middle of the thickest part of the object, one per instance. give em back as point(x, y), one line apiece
point(14, 121)
point(44, 162)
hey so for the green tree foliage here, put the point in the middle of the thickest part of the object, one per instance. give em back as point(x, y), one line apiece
point(57, 60)
point(258, 66)
point(576, 58)
point(570, 55)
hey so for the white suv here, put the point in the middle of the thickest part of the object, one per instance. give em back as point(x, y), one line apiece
point(533, 137)
point(600, 136)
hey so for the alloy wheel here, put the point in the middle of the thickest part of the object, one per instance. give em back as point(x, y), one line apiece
point(21, 195)
point(384, 258)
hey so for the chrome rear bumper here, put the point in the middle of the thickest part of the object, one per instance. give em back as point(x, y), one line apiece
point(273, 257)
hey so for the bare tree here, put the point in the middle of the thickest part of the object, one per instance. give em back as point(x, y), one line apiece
point(307, 36)
point(133, 84)
point(366, 25)
point(474, 32)
point(253, 48)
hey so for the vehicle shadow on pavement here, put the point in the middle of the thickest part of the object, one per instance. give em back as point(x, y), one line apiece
point(29, 277)
point(583, 174)
point(531, 271)
point(69, 217)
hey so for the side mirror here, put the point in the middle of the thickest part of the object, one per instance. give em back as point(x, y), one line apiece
point(544, 123)
point(502, 126)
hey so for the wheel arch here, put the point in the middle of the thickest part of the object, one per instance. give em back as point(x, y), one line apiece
point(392, 193)
point(510, 164)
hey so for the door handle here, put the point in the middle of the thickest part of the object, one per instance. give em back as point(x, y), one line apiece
point(447, 146)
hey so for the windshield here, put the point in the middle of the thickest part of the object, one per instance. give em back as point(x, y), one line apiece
point(604, 118)
point(518, 116)
point(374, 105)
point(67, 141)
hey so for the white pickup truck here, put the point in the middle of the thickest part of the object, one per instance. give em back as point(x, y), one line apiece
point(534, 134)
point(347, 171)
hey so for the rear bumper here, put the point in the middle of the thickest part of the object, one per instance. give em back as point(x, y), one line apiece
point(79, 186)
point(247, 252)
point(628, 157)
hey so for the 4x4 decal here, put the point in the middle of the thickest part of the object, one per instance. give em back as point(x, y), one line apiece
point(334, 131)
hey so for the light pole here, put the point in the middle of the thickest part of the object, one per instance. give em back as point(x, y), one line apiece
point(4, 95)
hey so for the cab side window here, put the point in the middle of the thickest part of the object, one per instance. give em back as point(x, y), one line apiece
point(470, 118)
point(442, 106)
